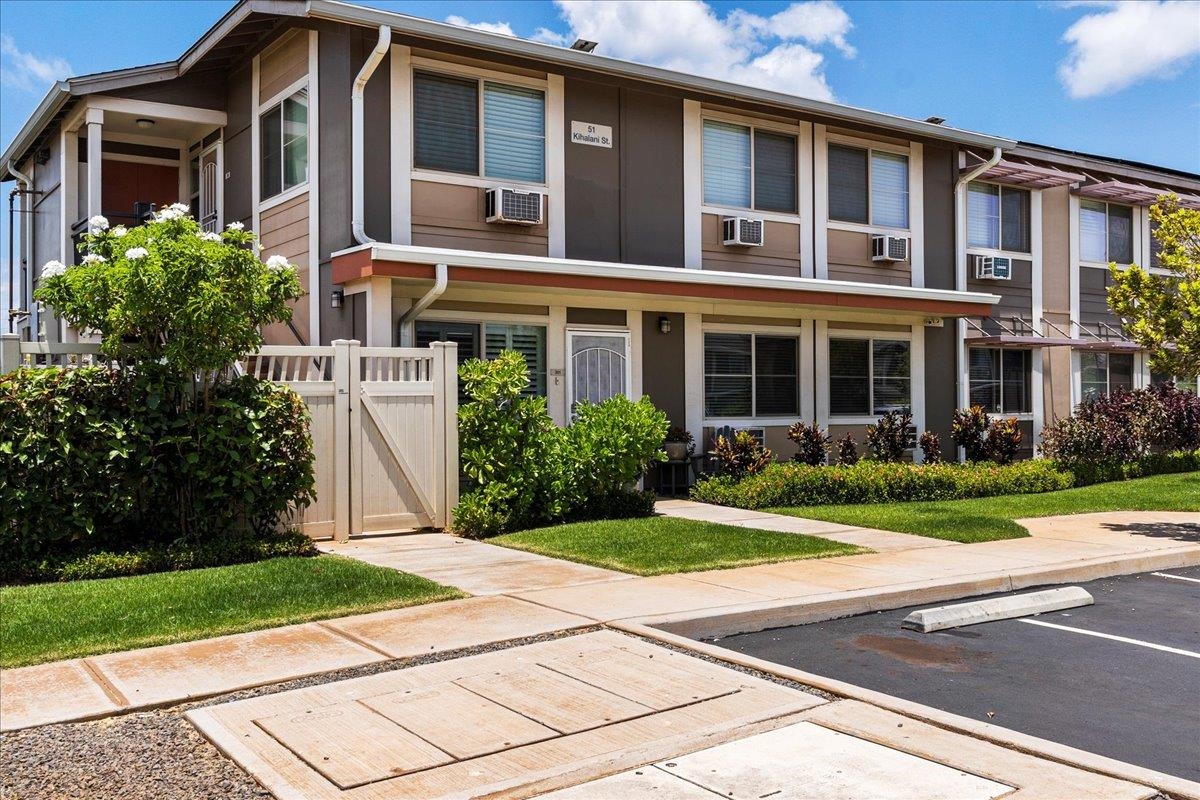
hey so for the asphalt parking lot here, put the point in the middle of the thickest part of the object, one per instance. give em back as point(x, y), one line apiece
point(1120, 678)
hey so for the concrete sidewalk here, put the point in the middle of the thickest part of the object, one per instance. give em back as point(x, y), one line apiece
point(1063, 549)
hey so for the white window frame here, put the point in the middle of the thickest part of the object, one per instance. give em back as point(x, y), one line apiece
point(802, 338)
point(1022, 415)
point(1135, 231)
point(754, 124)
point(871, 418)
point(265, 203)
point(1108, 371)
point(1025, 255)
point(481, 76)
point(870, 146)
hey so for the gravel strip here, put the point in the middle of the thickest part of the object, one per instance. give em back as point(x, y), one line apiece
point(159, 755)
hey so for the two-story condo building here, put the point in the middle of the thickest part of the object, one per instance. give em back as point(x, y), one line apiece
point(746, 258)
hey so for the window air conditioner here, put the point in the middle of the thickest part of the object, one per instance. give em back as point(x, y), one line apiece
point(513, 206)
point(742, 232)
point(993, 268)
point(886, 247)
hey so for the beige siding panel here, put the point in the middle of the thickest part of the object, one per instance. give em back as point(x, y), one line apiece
point(1056, 382)
point(850, 260)
point(282, 64)
point(779, 255)
point(1056, 251)
point(284, 231)
point(489, 308)
point(1016, 295)
point(449, 215)
point(863, 326)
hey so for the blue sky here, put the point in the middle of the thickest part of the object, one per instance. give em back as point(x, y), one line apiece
point(993, 67)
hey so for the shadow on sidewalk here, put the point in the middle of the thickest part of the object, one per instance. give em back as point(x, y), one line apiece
point(1179, 531)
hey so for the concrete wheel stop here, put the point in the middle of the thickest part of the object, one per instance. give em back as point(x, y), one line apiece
point(928, 620)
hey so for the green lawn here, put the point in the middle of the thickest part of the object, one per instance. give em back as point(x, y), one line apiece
point(53, 621)
point(988, 518)
point(662, 545)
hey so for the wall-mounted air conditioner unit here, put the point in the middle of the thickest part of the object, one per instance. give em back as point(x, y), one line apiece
point(742, 232)
point(513, 206)
point(993, 268)
point(886, 247)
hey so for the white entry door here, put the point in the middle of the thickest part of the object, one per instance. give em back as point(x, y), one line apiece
point(598, 366)
point(210, 213)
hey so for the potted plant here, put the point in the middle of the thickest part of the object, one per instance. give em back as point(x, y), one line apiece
point(679, 444)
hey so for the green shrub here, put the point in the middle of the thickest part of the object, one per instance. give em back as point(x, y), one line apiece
point(1087, 473)
point(1003, 440)
point(888, 439)
point(878, 482)
point(931, 447)
point(812, 443)
point(969, 429)
point(741, 456)
point(846, 451)
point(97, 459)
point(522, 470)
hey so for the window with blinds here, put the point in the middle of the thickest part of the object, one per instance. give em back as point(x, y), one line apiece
point(869, 376)
point(868, 186)
point(751, 375)
point(452, 114)
point(749, 168)
point(998, 217)
point(1105, 373)
point(528, 340)
point(283, 145)
point(1000, 380)
point(1105, 232)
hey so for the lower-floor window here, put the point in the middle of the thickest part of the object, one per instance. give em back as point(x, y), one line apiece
point(751, 375)
point(1000, 380)
point(487, 340)
point(869, 376)
point(1181, 382)
point(1105, 373)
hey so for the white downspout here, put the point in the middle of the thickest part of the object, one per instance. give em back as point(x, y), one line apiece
point(357, 214)
point(26, 257)
point(960, 274)
point(441, 277)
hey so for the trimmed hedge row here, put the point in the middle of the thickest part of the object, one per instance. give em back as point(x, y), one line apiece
point(878, 482)
point(1144, 467)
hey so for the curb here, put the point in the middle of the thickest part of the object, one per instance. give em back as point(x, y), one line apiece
point(1178, 788)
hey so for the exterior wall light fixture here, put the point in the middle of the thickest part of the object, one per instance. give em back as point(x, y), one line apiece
point(664, 324)
point(337, 298)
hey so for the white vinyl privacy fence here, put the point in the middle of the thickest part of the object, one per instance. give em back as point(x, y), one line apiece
point(384, 426)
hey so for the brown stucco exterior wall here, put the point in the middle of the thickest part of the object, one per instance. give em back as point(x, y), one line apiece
point(663, 365)
point(779, 254)
point(850, 260)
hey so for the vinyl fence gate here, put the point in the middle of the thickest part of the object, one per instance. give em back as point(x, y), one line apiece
point(384, 430)
point(384, 426)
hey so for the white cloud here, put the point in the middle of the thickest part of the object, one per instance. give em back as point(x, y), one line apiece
point(25, 71)
point(1127, 42)
point(776, 52)
point(491, 27)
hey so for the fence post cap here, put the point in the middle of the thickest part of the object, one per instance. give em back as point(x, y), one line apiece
point(10, 336)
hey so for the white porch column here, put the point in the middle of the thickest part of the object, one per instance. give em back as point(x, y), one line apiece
point(556, 364)
point(693, 376)
point(95, 124)
point(379, 312)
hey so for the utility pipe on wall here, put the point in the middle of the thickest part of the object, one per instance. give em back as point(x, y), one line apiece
point(357, 214)
point(15, 302)
point(441, 276)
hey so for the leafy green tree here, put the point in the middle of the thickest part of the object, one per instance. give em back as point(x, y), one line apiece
point(1162, 312)
point(169, 293)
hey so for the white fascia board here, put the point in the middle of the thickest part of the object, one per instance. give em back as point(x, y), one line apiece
point(412, 254)
point(402, 23)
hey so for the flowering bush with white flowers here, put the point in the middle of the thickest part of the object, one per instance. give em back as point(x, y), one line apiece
point(169, 293)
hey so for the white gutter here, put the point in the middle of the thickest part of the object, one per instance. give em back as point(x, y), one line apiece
point(416, 254)
point(15, 302)
point(357, 214)
point(441, 277)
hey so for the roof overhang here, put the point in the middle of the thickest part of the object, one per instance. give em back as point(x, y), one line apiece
point(1018, 172)
point(534, 272)
point(1132, 193)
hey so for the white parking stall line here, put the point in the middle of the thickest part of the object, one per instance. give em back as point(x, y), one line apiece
point(1176, 577)
point(1137, 642)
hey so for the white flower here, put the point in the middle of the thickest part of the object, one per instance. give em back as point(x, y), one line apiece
point(182, 208)
point(235, 226)
point(93, 258)
point(278, 263)
point(135, 253)
point(210, 236)
point(53, 269)
point(97, 223)
point(119, 231)
point(167, 214)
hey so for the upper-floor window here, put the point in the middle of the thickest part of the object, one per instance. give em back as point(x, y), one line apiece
point(1105, 373)
point(1105, 232)
point(869, 376)
point(1000, 380)
point(751, 375)
point(452, 115)
point(749, 168)
point(868, 186)
point(283, 145)
point(997, 217)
